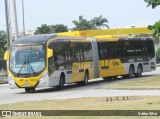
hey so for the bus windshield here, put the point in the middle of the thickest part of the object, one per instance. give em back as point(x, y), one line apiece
point(27, 60)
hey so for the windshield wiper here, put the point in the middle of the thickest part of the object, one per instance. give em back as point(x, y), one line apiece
point(28, 63)
point(25, 61)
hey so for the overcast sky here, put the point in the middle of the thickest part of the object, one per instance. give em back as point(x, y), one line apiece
point(119, 13)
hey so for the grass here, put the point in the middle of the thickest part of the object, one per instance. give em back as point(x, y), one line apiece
point(99, 103)
point(144, 83)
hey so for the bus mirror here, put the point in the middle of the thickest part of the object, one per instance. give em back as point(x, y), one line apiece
point(49, 53)
point(6, 55)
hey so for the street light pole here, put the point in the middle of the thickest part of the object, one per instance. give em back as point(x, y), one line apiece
point(23, 18)
point(7, 24)
point(15, 19)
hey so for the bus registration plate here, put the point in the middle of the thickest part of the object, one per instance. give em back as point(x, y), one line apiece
point(26, 85)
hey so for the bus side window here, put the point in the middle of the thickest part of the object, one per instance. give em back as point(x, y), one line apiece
point(150, 49)
point(103, 50)
point(112, 50)
point(100, 50)
point(73, 52)
point(120, 49)
point(87, 52)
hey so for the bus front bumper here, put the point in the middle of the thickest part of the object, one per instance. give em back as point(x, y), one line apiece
point(12, 83)
point(29, 83)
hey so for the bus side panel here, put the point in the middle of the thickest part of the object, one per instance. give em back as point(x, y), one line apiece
point(112, 67)
point(119, 69)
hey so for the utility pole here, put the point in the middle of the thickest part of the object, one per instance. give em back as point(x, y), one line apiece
point(15, 19)
point(8, 30)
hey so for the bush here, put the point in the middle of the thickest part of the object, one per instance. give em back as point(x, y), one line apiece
point(158, 52)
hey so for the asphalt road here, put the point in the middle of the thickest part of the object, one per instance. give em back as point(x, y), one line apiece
point(8, 95)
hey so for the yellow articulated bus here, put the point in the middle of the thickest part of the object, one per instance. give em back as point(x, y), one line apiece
point(52, 60)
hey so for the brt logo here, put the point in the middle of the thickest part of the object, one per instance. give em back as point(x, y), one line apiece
point(115, 63)
point(6, 113)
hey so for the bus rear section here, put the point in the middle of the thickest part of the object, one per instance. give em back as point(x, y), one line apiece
point(126, 57)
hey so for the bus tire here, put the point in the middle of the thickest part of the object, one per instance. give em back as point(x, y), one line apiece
point(85, 81)
point(61, 83)
point(139, 71)
point(29, 90)
point(131, 72)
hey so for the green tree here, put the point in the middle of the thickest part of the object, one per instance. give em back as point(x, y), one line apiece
point(47, 29)
point(153, 3)
point(83, 24)
point(44, 29)
point(58, 28)
point(158, 52)
point(156, 34)
point(100, 22)
point(3, 43)
point(156, 26)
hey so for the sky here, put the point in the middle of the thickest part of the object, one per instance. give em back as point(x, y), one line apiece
point(120, 13)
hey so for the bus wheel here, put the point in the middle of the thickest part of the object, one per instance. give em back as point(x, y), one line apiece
point(28, 90)
point(131, 72)
point(139, 71)
point(85, 81)
point(61, 83)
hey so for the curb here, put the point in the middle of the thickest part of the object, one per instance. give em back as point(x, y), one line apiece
point(158, 65)
point(3, 81)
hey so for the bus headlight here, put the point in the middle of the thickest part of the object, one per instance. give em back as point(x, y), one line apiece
point(44, 76)
point(10, 79)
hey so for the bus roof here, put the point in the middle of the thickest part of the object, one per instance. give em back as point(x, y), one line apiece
point(44, 38)
point(34, 39)
point(113, 36)
point(105, 39)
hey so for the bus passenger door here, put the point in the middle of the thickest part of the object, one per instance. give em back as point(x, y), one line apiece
point(104, 61)
point(81, 62)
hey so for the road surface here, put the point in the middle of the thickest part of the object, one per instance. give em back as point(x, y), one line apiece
point(8, 95)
